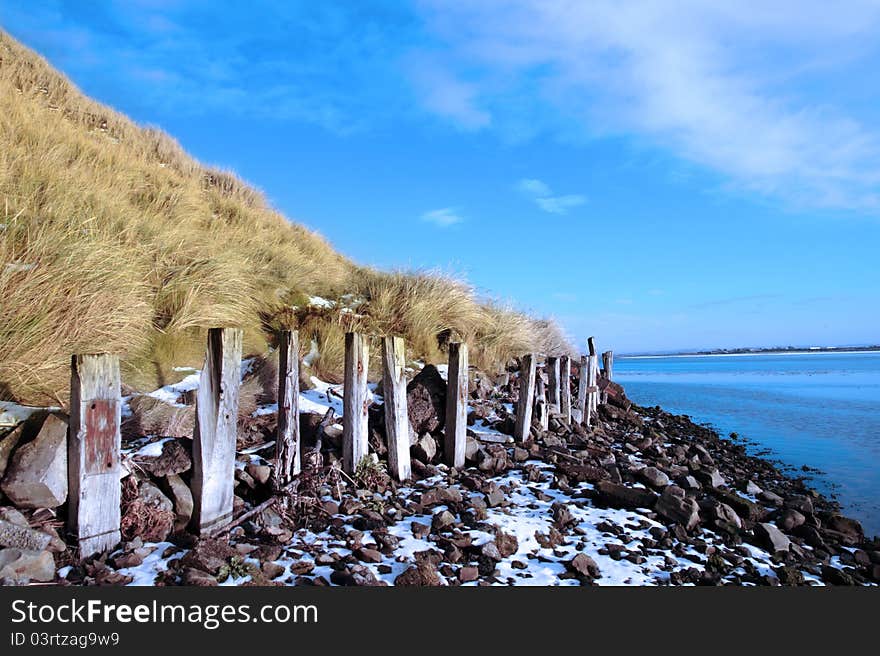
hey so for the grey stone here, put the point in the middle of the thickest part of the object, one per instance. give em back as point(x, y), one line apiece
point(22, 537)
point(771, 537)
point(181, 497)
point(36, 476)
point(654, 477)
point(25, 565)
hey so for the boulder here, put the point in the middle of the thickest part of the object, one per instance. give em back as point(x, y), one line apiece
point(36, 476)
point(710, 478)
point(583, 565)
point(426, 401)
point(790, 520)
point(654, 477)
point(423, 573)
point(848, 527)
point(7, 446)
point(620, 496)
point(181, 498)
point(174, 459)
point(22, 537)
point(771, 538)
point(675, 506)
point(425, 449)
point(26, 565)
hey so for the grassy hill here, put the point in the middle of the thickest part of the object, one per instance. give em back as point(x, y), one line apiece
point(112, 238)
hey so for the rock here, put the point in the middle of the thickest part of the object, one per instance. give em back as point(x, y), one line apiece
point(438, 495)
point(790, 520)
point(712, 478)
point(419, 530)
point(181, 499)
point(490, 551)
point(125, 560)
point(834, 576)
point(272, 570)
point(426, 401)
point(848, 527)
point(356, 575)
point(468, 574)
point(423, 573)
point(562, 517)
point(161, 513)
point(725, 513)
point(584, 565)
point(614, 393)
point(770, 498)
point(442, 520)
point(654, 477)
point(368, 555)
point(174, 459)
point(7, 446)
point(23, 537)
point(520, 454)
point(198, 578)
point(619, 496)
point(753, 489)
point(425, 449)
point(507, 544)
point(36, 476)
point(771, 538)
point(209, 555)
point(260, 473)
point(677, 507)
point(14, 516)
point(25, 565)
point(802, 504)
point(743, 507)
point(470, 449)
point(495, 497)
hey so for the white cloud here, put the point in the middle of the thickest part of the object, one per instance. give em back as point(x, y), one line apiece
point(444, 94)
point(544, 198)
point(443, 217)
point(765, 94)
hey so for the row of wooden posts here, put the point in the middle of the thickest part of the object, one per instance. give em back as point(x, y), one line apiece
point(94, 467)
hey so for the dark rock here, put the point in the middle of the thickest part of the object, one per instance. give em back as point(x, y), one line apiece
point(771, 538)
point(676, 506)
point(467, 574)
point(790, 520)
point(198, 578)
point(209, 555)
point(174, 459)
point(619, 496)
point(426, 401)
point(36, 476)
point(654, 477)
point(583, 565)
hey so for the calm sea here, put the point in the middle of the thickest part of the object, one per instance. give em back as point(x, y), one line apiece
point(818, 409)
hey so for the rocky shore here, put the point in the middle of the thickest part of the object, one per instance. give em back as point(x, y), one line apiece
point(642, 497)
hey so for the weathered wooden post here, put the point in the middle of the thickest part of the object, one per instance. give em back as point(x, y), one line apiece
point(287, 439)
point(583, 408)
point(355, 444)
point(523, 424)
point(396, 418)
point(592, 387)
point(608, 364)
point(93, 447)
point(554, 392)
point(565, 387)
point(215, 431)
point(455, 434)
point(591, 346)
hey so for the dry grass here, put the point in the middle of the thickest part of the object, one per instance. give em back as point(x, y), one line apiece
point(113, 239)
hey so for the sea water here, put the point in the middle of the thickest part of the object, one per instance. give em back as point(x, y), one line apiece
point(818, 409)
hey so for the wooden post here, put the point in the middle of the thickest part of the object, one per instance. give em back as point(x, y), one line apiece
point(523, 424)
point(455, 434)
point(608, 364)
point(583, 406)
point(215, 431)
point(592, 387)
point(554, 392)
point(287, 439)
point(93, 447)
point(591, 346)
point(355, 444)
point(396, 418)
point(565, 387)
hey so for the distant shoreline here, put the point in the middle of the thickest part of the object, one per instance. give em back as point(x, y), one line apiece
point(704, 354)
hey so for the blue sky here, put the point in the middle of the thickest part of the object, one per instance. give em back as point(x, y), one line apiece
point(703, 176)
